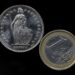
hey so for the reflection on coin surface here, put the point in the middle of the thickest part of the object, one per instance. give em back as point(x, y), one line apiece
point(21, 28)
point(57, 49)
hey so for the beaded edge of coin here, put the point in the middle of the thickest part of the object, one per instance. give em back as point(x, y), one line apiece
point(44, 58)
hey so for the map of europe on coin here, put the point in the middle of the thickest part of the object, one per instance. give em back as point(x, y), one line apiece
point(57, 49)
point(21, 28)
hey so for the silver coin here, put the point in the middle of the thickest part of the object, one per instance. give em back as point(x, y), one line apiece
point(21, 28)
point(57, 49)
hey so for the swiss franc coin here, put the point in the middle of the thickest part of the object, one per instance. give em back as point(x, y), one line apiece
point(57, 49)
point(21, 28)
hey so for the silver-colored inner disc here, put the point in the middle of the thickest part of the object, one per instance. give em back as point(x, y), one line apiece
point(59, 49)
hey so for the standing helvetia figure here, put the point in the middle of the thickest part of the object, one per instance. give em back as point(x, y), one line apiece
point(21, 28)
point(21, 33)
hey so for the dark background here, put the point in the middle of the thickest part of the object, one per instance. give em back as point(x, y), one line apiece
point(56, 15)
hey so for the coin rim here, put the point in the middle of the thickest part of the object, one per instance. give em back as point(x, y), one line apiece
point(42, 24)
point(44, 58)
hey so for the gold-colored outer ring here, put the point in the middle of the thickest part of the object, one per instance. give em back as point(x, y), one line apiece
point(43, 56)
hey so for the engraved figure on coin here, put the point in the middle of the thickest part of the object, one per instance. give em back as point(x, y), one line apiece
point(21, 33)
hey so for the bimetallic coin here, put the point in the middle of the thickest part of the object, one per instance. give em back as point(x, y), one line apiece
point(21, 28)
point(57, 49)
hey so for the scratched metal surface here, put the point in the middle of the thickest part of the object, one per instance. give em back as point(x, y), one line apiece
point(59, 49)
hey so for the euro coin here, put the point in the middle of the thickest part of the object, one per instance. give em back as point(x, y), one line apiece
point(57, 49)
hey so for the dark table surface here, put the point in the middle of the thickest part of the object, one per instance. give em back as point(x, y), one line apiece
point(58, 15)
